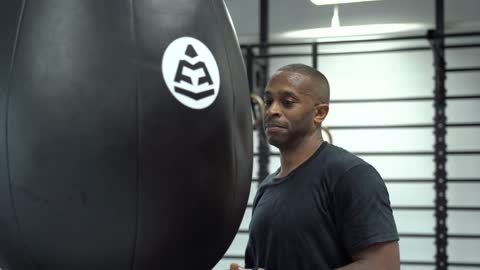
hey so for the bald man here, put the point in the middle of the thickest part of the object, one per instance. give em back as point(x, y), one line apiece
point(324, 208)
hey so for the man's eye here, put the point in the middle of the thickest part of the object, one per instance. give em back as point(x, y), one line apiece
point(287, 102)
point(267, 102)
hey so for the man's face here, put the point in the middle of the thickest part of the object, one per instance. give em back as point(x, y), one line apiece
point(289, 109)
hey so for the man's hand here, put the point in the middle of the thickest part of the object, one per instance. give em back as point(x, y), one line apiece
point(234, 266)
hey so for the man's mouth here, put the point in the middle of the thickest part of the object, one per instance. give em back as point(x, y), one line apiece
point(272, 127)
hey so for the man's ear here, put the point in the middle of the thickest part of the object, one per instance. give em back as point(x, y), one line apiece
point(321, 112)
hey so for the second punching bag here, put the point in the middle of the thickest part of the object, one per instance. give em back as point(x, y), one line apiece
point(125, 138)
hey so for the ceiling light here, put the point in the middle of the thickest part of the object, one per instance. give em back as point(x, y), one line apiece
point(335, 19)
point(334, 2)
point(355, 30)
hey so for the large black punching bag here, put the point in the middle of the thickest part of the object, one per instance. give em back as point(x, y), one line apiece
point(125, 138)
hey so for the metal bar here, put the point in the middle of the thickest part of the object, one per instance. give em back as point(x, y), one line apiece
point(452, 208)
point(429, 235)
point(416, 263)
point(335, 101)
point(419, 153)
point(233, 257)
point(381, 126)
point(276, 154)
point(463, 125)
point(332, 127)
point(463, 97)
point(450, 180)
point(465, 34)
point(264, 20)
point(263, 148)
point(398, 153)
point(463, 152)
point(266, 56)
point(463, 69)
point(463, 180)
point(464, 264)
point(462, 46)
point(415, 153)
point(462, 208)
point(413, 208)
point(315, 55)
point(437, 42)
point(249, 66)
point(400, 99)
point(464, 236)
point(403, 126)
point(409, 181)
point(402, 49)
point(416, 235)
point(421, 208)
point(278, 55)
point(415, 181)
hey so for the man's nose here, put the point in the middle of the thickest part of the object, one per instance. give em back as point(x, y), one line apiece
point(273, 109)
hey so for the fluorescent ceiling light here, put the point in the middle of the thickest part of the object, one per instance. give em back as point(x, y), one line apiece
point(356, 30)
point(334, 2)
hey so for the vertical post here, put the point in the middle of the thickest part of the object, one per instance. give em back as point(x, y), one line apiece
point(315, 55)
point(249, 67)
point(440, 147)
point(263, 149)
point(264, 19)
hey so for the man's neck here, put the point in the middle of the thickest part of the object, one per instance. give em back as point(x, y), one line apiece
point(292, 157)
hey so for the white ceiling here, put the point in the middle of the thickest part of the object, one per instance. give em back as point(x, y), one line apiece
point(290, 15)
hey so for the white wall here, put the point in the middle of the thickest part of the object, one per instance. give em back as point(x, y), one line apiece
point(403, 74)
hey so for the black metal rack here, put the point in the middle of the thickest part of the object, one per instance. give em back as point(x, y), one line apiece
point(256, 59)
point(439, 126)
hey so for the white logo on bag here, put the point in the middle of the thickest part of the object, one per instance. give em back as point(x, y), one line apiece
point(191, 72)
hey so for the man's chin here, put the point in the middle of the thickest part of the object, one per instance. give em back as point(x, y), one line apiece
point(275, 141)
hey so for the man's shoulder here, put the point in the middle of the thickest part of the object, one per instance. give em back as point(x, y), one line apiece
point(269, 178)
point(338, 155)
point(338, 160)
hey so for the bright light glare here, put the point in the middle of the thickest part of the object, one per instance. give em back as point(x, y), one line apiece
point(356, 30)
point(334, 2)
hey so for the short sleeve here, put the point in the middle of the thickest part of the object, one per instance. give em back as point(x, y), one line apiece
point(249, 255)
point(363, 215)
point(249, 250)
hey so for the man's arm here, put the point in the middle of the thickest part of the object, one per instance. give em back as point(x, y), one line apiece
point(384, 256)
point(380, 256)
point(365, 220)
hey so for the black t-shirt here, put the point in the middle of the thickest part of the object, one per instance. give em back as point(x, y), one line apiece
point(325, 211)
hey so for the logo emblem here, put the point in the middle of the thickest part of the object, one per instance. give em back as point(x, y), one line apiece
point(191, 73)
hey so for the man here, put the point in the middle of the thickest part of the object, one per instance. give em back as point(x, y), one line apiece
point(324, 208)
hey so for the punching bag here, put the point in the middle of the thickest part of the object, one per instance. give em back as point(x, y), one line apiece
point(125, 138)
